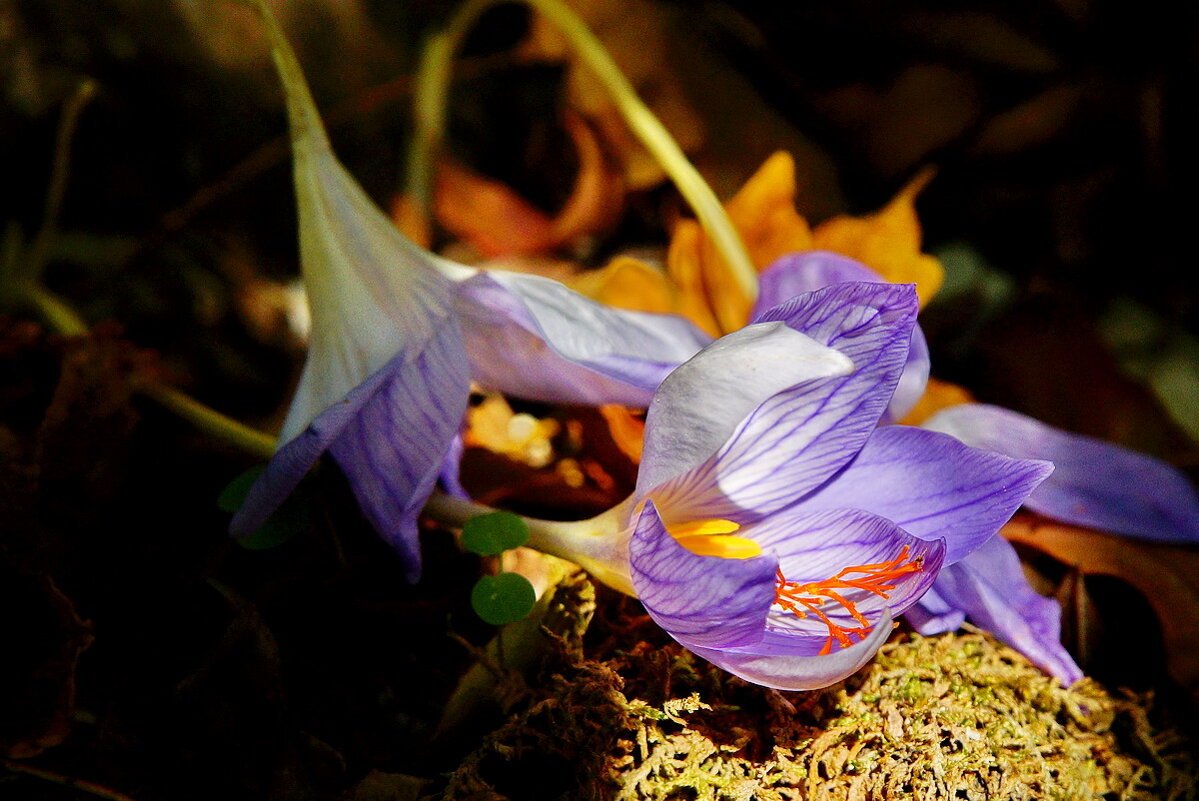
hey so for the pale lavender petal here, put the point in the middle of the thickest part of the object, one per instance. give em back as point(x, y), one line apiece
point(1095, 484)
point(296, 457)
point(816, 546)
point(390, 436)
point(450, 468)
point(799, 438)
point(933, 486)
point(704, 601)
point(793, 662)
point(990, 587)
point(914, 380)
point(932, 614)
point(701, 403)
point(808, 271)
point(534, 338)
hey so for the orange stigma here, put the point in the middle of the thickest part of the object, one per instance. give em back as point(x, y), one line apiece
point(804, 599)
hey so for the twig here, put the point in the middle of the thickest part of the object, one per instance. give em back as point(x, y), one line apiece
point(66, 781)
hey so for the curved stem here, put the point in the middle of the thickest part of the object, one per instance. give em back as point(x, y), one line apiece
point(432, 88)
point(211, 421)
point(35, 257)
point(598, 545)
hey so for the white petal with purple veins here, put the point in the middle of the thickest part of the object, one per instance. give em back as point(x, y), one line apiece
point(798, 438)
point(700, 404)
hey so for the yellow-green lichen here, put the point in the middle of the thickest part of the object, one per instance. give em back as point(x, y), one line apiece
point(634, 717)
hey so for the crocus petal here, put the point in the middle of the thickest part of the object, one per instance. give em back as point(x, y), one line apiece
point(932, 614)
point(990, 587)
point(797, 273)
point(933, 486)
point(296, 457)
point(816, 546)
point(533, 338)
point(797, 439)
point(807, 271)
point(390, 440)
point(393, 451)
point(371, 291)
point(700, 404)
point(790, 662)
point(1095, 483)
point(703, 601)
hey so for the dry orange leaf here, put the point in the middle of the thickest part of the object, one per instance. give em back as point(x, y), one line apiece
point(1167, 575)
point(627, 430)
point(495, 221)
point(763, 212)
point(628, 283)
point(887, 241)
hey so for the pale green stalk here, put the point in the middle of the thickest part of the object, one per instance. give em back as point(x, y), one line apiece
point(432, 89)
point(598, 545)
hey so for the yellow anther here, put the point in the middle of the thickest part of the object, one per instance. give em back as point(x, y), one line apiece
point(714, 538)
point(701, 528)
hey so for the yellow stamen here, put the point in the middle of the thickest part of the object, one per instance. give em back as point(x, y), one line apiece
point(714, 538)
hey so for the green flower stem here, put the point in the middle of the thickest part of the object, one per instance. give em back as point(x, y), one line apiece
point(210, 421)
point(35, 258)
point(598, 545)
point(57, 313)
point(432, 89)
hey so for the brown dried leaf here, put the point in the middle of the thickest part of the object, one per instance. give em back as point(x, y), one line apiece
point(1167, 575)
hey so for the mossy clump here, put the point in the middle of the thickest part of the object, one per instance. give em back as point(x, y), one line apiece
point(631, 716)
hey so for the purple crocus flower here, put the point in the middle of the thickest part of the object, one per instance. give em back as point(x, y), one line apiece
point(1094, 484)
point(765, 447)
point(398, 334)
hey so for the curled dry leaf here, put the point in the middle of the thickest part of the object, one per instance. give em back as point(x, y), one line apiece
point(496, 221)
point(1167, 576)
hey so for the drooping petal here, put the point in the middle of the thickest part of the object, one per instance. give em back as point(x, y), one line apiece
point(824, 548)
point(704, 601)
point(1095, 483)
point(990, 587)
point(797, 273)
point(390, 440)
point(393, 451)
point(933, 486)
point(797, 439)
point(296, 457)
point(793, 662)
point(700, 404)
point(533, 338)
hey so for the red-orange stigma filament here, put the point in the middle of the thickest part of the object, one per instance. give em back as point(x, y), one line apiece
point(802, 599)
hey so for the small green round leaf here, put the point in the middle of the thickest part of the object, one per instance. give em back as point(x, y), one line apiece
point(235, 492)
point(505, 598)
point(291, 517)
point(493, 533)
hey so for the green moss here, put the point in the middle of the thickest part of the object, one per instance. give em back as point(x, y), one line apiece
point(633, 717)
